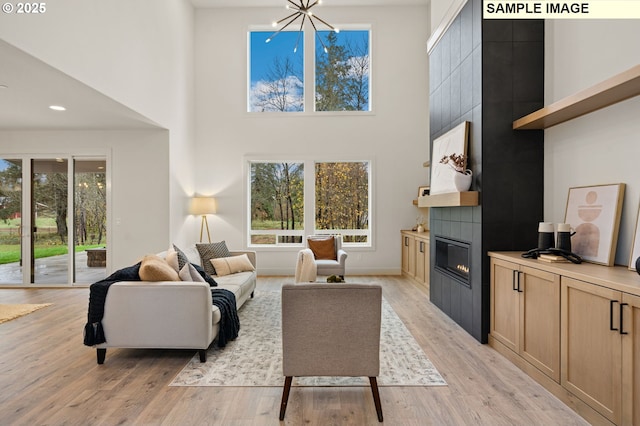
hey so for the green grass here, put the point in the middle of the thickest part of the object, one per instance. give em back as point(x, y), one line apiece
point(10, 253)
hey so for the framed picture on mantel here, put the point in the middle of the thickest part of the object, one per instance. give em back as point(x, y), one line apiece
point(594, 212)
point(452, 142)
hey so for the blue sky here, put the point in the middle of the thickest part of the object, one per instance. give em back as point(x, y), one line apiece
point(263, 54)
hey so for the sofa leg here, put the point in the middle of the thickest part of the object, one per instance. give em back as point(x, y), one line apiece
point(203, 355)
point(252, 294)
point(101, 353)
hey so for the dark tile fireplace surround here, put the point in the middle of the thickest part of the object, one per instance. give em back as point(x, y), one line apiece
point(487, 72)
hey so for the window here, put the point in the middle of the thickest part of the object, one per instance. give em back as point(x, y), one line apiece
point(338, 202)
point(340, 64)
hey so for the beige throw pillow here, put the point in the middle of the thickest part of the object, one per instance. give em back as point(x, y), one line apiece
point(155, 268)
point(231, 265)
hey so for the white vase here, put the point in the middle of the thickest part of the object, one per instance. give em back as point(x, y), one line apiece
point(462, 181)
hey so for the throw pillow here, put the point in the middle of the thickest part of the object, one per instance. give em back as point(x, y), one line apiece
point(212, 251)
point(182, 258)
point(323, 248)
point(155, 268)
point(172, 258)
point(189, 273)
point(232, 264)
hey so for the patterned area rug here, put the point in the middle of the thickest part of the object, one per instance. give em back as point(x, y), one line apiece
point(255, 357)
point(13, 311)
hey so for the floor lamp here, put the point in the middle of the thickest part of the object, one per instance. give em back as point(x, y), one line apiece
point(203, 206)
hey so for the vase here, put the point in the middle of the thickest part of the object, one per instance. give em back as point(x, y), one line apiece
point(462, 181)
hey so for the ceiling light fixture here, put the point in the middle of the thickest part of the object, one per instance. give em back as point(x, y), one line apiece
point(57, 108)
point(301, 9)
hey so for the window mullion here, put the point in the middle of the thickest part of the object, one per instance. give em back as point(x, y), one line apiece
point(309, 71)
point(309, 197)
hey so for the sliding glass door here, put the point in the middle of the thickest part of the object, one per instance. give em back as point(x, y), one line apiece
point(49, 208)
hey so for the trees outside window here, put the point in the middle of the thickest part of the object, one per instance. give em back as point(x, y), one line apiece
point(279, 208)
point(341, 65)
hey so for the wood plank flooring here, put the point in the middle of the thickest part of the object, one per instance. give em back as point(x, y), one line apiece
point(47, 377)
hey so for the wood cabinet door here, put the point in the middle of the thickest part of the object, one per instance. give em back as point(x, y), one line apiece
point(591, 352)
point(540, 320)
point(422, 255)
point(505, 309)
point(631, 360)
point(406, 240)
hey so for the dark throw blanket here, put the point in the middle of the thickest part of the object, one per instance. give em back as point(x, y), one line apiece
point(225, 300)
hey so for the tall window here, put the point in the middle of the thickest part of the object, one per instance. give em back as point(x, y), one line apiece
point(341, 64)
point(340, 202)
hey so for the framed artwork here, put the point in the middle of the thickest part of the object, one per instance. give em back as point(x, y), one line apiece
point(594, 213)
point(452, 142)
point(635, 245)
point(423, 190)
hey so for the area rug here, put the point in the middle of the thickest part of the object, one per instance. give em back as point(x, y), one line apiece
point(13, 311)
point(255, 357)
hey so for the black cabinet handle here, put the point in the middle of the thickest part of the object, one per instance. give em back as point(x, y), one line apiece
point(406, 241)
point(421, 246)
point(611, 327)
point(622, 305)
point(519, 289)
point(513, 281)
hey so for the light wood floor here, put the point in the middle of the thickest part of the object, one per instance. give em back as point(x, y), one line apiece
point(47, 377)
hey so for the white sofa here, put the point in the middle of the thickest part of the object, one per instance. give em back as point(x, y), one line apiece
point(169, 314)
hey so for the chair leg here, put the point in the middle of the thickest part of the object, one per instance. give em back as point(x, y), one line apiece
point(101, 353)
point(285, 396)
point(376, 397)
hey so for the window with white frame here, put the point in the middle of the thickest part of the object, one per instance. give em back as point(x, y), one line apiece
point(341, 64)
point(279, 208)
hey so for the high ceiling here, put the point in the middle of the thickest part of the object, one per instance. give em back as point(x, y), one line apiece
point(28, 87)
point(327, 3)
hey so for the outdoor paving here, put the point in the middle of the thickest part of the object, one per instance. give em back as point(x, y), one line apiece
point(53, 270)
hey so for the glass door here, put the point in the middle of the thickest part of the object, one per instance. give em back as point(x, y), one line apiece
point(11, 221)
point(50, 208)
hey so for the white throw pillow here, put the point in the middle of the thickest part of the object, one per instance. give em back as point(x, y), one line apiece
point(231, 265)
point(189, 273)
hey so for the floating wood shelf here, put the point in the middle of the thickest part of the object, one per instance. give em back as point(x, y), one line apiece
point(608, 92)
point(451, 199)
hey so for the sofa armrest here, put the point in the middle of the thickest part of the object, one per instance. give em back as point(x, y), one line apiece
point(250, 254)
point(165, 314)
point(342, 257)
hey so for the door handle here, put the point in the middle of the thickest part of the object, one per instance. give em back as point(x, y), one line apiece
point(622, 305)
point(611, 327)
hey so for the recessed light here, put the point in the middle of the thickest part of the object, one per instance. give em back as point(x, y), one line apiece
point(57, 108)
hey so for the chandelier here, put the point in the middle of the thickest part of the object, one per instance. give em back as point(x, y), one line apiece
point(301, 9)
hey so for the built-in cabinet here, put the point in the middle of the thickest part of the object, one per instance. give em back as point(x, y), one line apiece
point(525, 313)
point(415, 256)
point(579, 325)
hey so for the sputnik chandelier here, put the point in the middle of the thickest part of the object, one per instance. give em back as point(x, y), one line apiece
point(301, 9)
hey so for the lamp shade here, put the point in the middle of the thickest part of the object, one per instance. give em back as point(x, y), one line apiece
point(203, 205)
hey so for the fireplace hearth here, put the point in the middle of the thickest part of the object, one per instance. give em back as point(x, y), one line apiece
point(453, 259)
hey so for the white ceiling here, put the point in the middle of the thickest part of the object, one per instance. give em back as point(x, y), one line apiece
point(32, 85)
point(327, 3)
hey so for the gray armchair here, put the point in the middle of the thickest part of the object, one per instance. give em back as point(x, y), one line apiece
point(325, 265)
point(331, 330)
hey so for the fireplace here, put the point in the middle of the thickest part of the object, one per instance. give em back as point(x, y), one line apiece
point(453, 259)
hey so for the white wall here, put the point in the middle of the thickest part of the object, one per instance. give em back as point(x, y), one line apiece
point(395, 136)
point(139, 53)
point(138, 221)
point(602, 147)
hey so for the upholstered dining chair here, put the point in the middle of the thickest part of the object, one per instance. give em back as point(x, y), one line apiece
point(329, 254)
point(331, 330)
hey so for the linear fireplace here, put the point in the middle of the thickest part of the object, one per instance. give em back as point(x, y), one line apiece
point(453, 259)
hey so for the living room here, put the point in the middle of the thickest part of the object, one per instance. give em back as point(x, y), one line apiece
point(173, 77)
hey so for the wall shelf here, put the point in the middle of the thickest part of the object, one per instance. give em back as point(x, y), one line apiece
point(608, 92)
point(451, 199)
